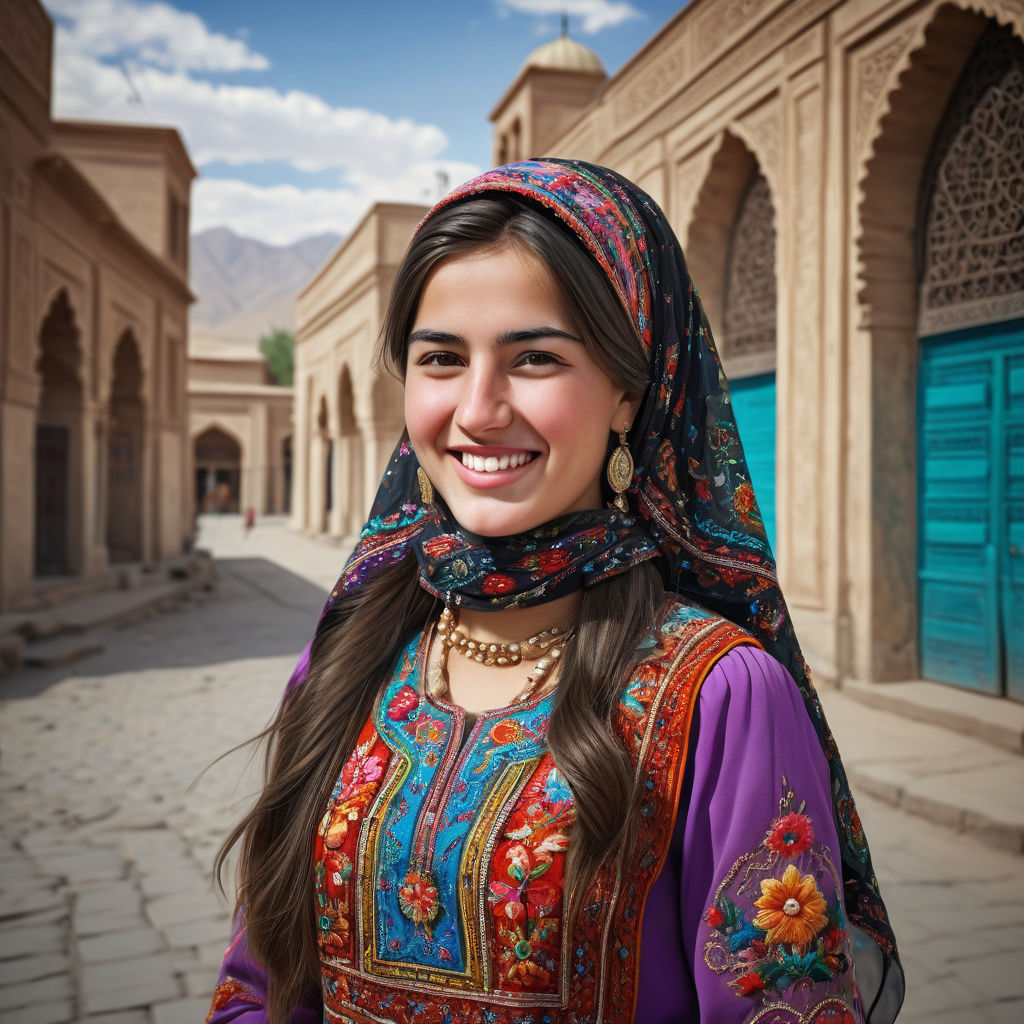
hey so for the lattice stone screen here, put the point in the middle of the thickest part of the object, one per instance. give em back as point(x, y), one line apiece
point(972, 253)
point(749, 316)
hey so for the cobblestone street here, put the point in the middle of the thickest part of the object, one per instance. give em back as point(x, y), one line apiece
point(107, 913)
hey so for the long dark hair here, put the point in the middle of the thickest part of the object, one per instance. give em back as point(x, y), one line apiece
point(317, 727)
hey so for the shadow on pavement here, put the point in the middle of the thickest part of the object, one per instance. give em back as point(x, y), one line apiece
point(258, 609)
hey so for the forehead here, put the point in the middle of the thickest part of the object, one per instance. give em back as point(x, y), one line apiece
point(510, 280)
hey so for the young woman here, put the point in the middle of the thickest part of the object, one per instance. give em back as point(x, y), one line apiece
point(554, 755)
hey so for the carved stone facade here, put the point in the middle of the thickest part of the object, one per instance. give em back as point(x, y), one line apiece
point(347, 417)
point(92, 342)
point(833, 110)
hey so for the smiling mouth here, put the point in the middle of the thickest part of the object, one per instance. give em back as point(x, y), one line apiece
point(494, 463)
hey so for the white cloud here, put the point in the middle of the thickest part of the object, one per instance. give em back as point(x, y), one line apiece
point(240, 124)
point(153, 32)
point(156, 76)
point(282, 214)
point(594, 15)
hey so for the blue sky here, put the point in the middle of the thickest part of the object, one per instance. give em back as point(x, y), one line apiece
point(298, 114)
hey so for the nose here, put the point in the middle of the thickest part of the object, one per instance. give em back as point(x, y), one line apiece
point(485, 402)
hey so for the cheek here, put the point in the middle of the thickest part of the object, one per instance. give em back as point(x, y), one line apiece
point(424, 414)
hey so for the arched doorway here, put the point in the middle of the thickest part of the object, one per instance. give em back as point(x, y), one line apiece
point(971, 379)
point(748, 337)
point(350, 443)
point(218, 471)
point(324, 468)
point(125, 454)
point(286, 465)
point(731, 254)
point(58, 438)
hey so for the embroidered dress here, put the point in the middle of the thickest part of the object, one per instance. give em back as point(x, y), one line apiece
point(439, 865)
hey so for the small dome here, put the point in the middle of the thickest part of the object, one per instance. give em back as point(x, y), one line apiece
point(564, 54)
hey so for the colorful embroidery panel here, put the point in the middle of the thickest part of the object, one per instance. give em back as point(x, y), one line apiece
point(440, 868)
point(777, 929)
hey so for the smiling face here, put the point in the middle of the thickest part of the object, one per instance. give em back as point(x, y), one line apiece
point(507, 411)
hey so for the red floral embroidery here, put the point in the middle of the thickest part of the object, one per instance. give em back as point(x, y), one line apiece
point(436, 547)
point(402, 703)
point(750, 983)
point(496, 583)
point(713, 917)
point(790, 836)
point(419, 900)
point(544, 562)
point(508, 730)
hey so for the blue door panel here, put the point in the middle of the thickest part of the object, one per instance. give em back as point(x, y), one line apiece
point(753, 403)
point(971, 508)
point(1012, 549)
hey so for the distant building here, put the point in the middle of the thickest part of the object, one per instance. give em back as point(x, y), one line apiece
point(93, 333)
point(847, 180)
point(240, 430)
point(347, 419)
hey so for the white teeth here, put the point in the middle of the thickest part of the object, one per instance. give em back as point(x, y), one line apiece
point(494, 463)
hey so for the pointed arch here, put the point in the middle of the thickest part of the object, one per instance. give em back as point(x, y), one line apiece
point(217, 460)
point(58, 439)
point(125, 453)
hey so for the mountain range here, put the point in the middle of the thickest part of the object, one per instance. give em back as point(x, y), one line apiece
point(245, 288)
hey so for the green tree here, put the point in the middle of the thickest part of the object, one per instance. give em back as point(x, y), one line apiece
point(278, 350)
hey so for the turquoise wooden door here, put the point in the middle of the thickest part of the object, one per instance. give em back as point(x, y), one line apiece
point(753, 402)
point(971, 508)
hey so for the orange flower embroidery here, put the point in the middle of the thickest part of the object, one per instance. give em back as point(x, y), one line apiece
point(792, 909)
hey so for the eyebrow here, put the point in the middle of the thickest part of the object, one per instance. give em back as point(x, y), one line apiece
point(505, 338)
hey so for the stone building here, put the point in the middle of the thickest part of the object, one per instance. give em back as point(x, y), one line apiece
point(347, 419)
point(239, 428)
point(847, 180)
point(93, 333)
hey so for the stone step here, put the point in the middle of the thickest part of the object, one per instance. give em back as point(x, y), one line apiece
point(994, 720)
point(952, 777)
point(115, 606)
point(62, 650)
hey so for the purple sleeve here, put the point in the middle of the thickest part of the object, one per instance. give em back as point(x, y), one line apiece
point(241, 992)
point(753, 868)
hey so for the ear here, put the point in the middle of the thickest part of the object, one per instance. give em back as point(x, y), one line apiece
point(624, 414)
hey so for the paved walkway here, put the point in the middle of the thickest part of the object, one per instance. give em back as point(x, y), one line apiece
point(106, 911)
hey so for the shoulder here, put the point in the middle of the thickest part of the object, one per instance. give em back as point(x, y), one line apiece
point(673, 661)
point(688, 633)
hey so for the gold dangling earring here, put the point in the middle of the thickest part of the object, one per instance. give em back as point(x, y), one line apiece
point(620, 473)
point(426, 488)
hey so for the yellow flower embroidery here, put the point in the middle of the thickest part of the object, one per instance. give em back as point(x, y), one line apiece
point(792, 909)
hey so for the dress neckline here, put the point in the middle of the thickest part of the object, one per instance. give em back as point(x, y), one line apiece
point(423, 688)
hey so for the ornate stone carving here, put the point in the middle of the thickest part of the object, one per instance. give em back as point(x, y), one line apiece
point(722, 19)
point(652, 85)
point(698, 89)
point(750, 296)
point(972, 258)
point(873, 71)
point(763, 128)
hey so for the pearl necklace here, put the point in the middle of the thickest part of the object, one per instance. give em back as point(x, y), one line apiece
point(545, 647)
point(503, 654)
